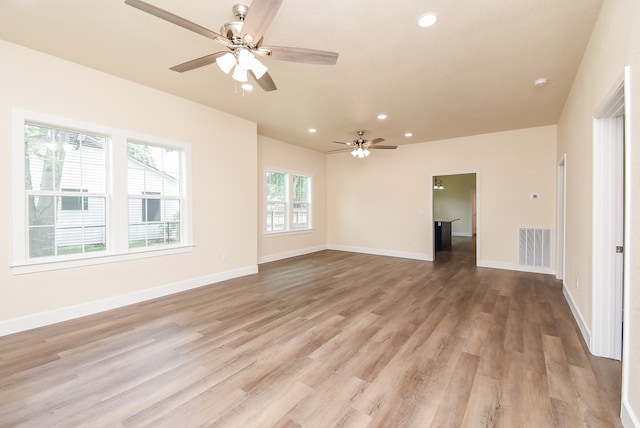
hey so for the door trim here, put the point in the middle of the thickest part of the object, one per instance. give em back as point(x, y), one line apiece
point(562, 218)
point(609, 146)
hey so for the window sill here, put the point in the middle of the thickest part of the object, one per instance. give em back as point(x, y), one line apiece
point(89, 260)
point(287, 232)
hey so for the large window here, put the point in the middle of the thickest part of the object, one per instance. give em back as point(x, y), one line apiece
point(288, 201)
point(85, 192)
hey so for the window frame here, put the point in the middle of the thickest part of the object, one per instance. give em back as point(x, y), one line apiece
point(116, 197)
point(288, 202)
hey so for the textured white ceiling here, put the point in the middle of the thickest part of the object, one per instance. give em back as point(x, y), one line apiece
point(471, 73)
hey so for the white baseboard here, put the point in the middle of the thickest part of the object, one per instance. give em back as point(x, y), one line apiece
point(463, 234)
point(378, 252)
point(628, 416)
point(511, 266)
point(582, 325)
point(71, 312)
point(288, 254)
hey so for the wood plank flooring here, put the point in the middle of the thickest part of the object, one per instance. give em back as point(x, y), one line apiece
point(331, 339)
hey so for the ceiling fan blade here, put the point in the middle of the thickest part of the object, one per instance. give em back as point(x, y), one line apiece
point(265, 82)
point(383, 147)
point(307, 56)
point(258, 19)
point(376, 141)
point(197, 63)
point(341, 142)
point(175, 19)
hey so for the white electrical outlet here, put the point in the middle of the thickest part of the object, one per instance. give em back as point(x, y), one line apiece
point(577, 283)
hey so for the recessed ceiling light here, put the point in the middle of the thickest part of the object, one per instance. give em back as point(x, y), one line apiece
point(408, 134)
point(427, 20)
point(312, 130)
point(541, 81)
point(247, 87)
point(382, 116)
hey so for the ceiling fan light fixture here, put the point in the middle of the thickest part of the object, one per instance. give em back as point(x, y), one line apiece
point(248, 61)
point(258, 68)
point(245, 58)
point(226, 62)
point(366, 152)
point(240, 74)
point(354, 152)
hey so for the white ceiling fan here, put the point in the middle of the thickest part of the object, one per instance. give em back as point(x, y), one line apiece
point(243, 40)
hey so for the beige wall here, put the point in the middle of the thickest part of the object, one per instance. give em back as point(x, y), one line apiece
point(224, 151)
point(384, 203)
point(276, 154)
point(614, 44)
point(456, 201)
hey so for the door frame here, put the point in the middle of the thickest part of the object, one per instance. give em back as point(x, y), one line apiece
point(610, 147)
point(478, 222)
point(561, 218)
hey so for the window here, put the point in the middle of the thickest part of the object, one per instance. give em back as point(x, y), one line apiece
point(75, 203)
point(84, 192)
point(288, 202)
point(59, 222)
point(300, 202)
point(153, 180)
point(150, 207)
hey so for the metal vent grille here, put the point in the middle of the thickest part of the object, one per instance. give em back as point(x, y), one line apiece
point(534, 247)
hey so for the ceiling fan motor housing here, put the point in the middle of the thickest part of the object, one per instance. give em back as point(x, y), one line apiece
point(231, 30)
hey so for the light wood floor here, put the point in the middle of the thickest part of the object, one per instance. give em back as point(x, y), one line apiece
point(325, 340)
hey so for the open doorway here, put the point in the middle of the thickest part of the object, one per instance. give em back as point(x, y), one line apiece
point(455, 215)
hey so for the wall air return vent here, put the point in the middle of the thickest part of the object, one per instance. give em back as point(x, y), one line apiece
point(534, 247)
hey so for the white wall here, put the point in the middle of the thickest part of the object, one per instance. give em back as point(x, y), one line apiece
point(287, 157)
point(383, 204)
point(614, 44)
point(224, 151)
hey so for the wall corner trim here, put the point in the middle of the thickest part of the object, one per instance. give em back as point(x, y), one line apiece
point(42, 319)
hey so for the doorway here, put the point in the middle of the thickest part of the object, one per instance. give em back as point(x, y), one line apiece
point(455, 214)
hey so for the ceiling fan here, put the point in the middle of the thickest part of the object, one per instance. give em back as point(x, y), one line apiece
point(360, 147)
point(243, 40)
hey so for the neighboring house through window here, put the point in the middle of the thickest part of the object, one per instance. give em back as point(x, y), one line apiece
point(74, 203)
